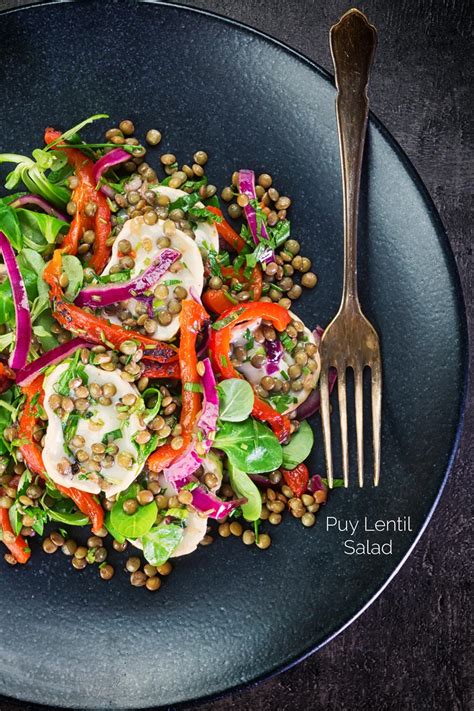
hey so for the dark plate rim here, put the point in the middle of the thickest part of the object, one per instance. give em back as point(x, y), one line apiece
point(452, 268)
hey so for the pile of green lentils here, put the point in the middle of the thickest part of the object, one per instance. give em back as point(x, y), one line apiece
point(279, 286)
point(277, 499)
point(138, 199)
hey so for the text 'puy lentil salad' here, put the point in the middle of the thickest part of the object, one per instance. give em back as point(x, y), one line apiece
point(153, 375)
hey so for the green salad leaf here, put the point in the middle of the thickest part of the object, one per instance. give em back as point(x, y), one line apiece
point(299, 447)
point(243, 485)
point(250, 446)
point(236, 399)
point(132, 525)
point(160, 542)
point(10, 225)
point(113, 532)
point(39, 230)
point(75, 274)
point(64, 511)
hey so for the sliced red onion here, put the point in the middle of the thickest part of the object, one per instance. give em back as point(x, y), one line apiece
point(318, 334)
point(98, 296)
point(26, 375)
point(210, 504)
point(313, 401)
point(31, 199)
point(246, 184)
point(181, 471)
point(317, 484)
point(19, 355)
point(118, 155)
point(274, 351)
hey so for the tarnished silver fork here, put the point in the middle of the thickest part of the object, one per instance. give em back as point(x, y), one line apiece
point(350, 340)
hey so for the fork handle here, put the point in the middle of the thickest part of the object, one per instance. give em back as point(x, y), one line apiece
point(353, 41)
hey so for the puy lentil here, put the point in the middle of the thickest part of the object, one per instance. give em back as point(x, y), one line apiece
point(165, 569)
point(138, 579)
point(309, 280)
point(49, 546)
point(153, 137)
point(153, 584)
point(235, 211)
point(106, 572)
point(79, 563)
point(264, 541)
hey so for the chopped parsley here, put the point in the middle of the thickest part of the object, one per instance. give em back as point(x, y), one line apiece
point(222, 323)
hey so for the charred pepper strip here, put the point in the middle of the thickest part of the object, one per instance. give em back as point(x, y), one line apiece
point(215, 299)
point(17, 545)
point(220, 347)
point(227, 232)
point(97, 329)
point(7, 377)
point(191, 320)
point(219, 300)
point(85, 192)
point(160, 370)
point(33, 457)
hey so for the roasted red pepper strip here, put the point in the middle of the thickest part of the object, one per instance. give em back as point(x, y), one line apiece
point(297, 479)
point(227, 232)
point(33, 457)
point(216, 300)
point(84, 193)
point(220, 346)
point(7, 377)
point(191, 320)
point(97, 329)
point(17, 545)
point(160, 370)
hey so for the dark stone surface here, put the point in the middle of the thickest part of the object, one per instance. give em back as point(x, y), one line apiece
point(411, 648)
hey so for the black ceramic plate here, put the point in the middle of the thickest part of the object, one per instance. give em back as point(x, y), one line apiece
point(230, 614)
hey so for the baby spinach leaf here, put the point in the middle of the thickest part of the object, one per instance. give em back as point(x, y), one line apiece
point(7, 309)
point(132, 525)
point(161, 541)
point(40, 518)
point(31, 259)
point(7, 414)
point(299, 447)
point(75, 273)
point(10, 225)
point(243, 485)
point(115, 534)
point(64, 511)
point(250, 446)
point(46, 320)
point(236, 399)
point(39, 230)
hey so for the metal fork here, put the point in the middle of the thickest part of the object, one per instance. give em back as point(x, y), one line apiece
point(350, 340)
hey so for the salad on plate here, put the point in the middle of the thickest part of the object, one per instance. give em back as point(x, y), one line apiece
point(154, 376)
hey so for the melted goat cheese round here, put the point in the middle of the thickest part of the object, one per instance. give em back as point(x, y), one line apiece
point(206, 232)
point(104, 419)
point(254, 375)
point(196, 525)
point(188, 270)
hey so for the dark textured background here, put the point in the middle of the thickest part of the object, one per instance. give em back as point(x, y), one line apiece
point(412, 649)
